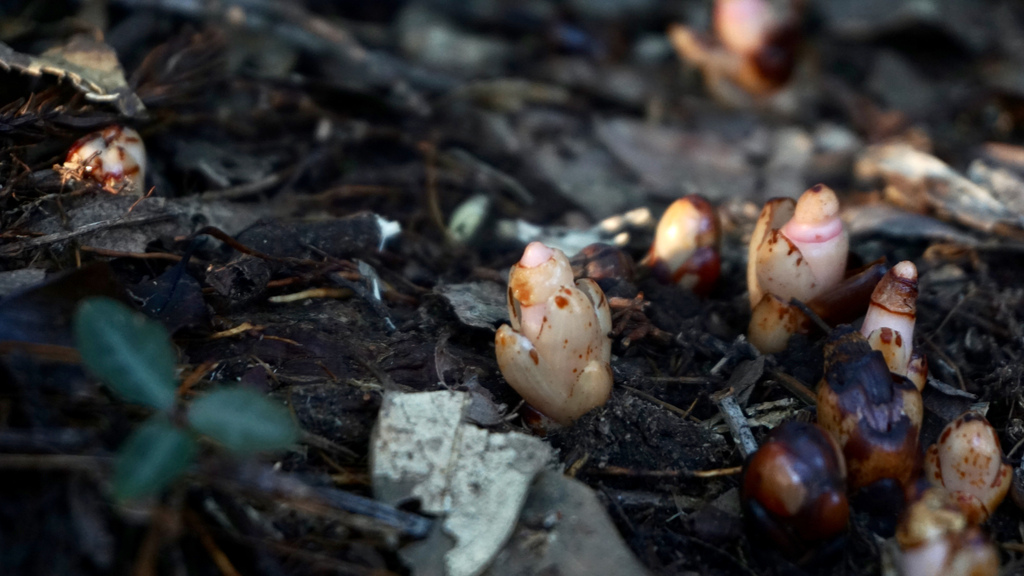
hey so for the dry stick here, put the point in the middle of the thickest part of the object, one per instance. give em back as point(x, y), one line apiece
point(433, 201)
point(671, 407)
point(944, 357)
point(811, 314)
point(796, 387)
point(48, 352)
point(220, 559)
point(683, 379)
point(69, 462)
point(140, 255)
point(18, 247)
point(247, 189)
point(621, 471)
point(263, 481)
point(738, 427)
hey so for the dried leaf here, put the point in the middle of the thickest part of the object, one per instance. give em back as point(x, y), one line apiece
point(90, 65)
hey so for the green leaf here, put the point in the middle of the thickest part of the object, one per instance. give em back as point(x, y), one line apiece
point(129, 352)
point(244, 421)
point(151, 459)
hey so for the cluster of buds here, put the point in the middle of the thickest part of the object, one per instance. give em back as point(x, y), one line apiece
point(557, 351)
point(968, 462)
point(873, 413)
point(794, 488)
point(115, 157)
point(889, 323)
point(753, 52)
point(685, 251)
point(936, 539)
point(797, 251)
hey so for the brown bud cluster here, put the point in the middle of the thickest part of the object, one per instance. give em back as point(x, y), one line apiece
point(874, 414)
point(685, 251)
point(794, 488)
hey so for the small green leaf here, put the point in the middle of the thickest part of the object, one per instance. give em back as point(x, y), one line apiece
point(129, 352)
point(151, 459)
point(244, 421)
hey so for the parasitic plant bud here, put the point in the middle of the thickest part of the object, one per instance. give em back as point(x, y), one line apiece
point(556, 353)
point(115, 157)
point(968, 462)
point(686, 245)
point(874, 414)
point(797, 251)
point(794, 488)
point(602, 262)
point(807, 255)
point(936, 539)
point(774, 215)
point(765, 35)
point(754, 52)
point(889, 323)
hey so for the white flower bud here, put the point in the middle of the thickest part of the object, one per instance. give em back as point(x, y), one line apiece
point(968, 461)
point(115, 157)
point(557, 352)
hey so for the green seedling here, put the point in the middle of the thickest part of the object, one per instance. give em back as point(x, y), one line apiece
point(135, 358)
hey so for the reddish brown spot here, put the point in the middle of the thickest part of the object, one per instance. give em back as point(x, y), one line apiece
point(945, 434)
point(899, 339)
point(534, 357)
point(561, 301)
point(886, 336)
point(816, 188)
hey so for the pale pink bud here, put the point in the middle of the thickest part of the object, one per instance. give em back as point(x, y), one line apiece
point(968, 461)
point(807, 256)
point(556, 354)
point(744, 26)
point(936, 539)
point(889, 323)
point(796, 251)
point(774, 215)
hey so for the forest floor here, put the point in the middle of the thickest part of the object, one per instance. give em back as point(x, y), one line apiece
point(287, 143)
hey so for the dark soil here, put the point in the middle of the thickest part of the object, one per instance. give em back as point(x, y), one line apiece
point(329, 111)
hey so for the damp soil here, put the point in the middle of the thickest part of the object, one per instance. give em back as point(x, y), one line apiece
point(327, 112)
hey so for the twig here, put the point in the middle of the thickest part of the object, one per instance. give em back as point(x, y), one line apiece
point(683, 379)
point(811, 315)
point(738, 426)
point(48, 352)
point(68, 462)
point(140, 255)
point(670, 407)
point(262, 479)
point(325, 444)
point(621, 471)
point(219, 557)
point(796, 387)
point(18, 247)
point(247, 189)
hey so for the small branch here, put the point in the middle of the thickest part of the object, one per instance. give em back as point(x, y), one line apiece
point(19, 247)
point(737, 421)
